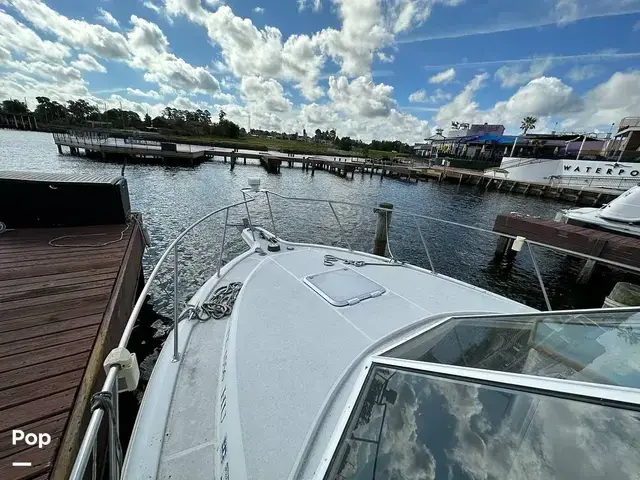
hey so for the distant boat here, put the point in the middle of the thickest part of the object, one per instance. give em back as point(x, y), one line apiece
point(621, 215)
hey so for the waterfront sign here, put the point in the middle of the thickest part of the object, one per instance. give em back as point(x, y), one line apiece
point(585, 168)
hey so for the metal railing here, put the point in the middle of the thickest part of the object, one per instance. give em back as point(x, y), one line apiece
point(615, 183)
point(104, 143)
point(88, 445)
point(529, 243)
point(89, 441)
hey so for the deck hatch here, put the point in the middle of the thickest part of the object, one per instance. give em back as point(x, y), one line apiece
point(343, 287)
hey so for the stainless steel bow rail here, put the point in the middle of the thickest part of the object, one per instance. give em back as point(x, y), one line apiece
point(110, 388)
point(529, 243)
point(108, 395)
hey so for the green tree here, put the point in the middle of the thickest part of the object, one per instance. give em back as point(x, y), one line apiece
point(80, 110)
point(528, 123)
point(48, 111)
point(14, 106)
point(147, 120)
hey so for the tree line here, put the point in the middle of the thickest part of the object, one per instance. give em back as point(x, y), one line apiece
point(175, 121)
point(80, 112)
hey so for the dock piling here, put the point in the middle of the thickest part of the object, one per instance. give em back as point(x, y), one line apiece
point(382, 228)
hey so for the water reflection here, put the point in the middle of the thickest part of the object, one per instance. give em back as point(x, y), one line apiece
point(416, 426)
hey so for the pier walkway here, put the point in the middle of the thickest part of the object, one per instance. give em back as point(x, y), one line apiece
point(65, 296)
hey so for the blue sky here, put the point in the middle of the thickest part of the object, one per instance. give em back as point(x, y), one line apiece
point(387, 69)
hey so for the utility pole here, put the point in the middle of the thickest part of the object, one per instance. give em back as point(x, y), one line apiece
point(249, 132)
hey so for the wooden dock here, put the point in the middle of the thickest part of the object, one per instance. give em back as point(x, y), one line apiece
point(596, 243)
point(119, 150)
point(62, 309)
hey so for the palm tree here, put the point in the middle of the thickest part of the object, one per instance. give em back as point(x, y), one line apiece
point(528, 123)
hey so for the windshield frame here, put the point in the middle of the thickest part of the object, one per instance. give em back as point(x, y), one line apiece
point(613, 395)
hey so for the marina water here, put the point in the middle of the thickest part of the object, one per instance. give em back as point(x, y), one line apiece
point(170, 199)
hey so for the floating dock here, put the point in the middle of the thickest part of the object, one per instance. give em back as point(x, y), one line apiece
point(118, 149)
point(587, 241)
point(66, 293)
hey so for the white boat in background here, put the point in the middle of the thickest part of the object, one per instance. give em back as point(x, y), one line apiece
point(307, 361)
point(621, 215)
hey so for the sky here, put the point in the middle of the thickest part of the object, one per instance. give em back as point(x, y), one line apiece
point(383, 69)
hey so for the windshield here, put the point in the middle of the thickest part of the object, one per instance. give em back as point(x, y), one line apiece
point(416, 425)
point(601, 347)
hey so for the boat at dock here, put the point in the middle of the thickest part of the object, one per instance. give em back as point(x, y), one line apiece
point(310, 361)
point(621, 215)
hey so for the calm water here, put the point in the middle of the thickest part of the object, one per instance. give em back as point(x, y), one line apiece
point(172, 198)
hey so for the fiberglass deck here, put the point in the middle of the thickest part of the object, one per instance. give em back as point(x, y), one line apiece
point(282, 330)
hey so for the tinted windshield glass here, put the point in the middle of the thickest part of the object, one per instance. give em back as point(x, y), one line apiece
point(602, 347)
point(417, 426)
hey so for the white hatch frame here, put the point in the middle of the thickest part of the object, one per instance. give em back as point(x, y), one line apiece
point(357, 286)
point(581, 391)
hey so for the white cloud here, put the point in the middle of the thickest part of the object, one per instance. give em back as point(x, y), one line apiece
point(146, 38)
point(363, 32)
point(18, 85)
point(249, 51)
point(5, 55)
point(566, 11)
point(383, 57)
point(141, 108)
point(152, 6)
point(150, 48)
point(258, 10)
point(361, 97)
point(462, 108)
point(511, 76)
point(139, 93)
point(225, 97)
point(107, 18)
point(316, 5)
point(58, 73)
point(549, 99)
point(421, 96)
point(584, 72)
point(541, 97)
point(18, 38)
point(608, 102)
point(266, 95)
point(95, 39)
point(87, 63)
point(443, 77)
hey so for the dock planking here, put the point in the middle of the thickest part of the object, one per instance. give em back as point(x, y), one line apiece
point(61, 310)
point(606, 245)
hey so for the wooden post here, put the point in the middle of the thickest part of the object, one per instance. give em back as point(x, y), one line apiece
point(382, 229)
point(233, 162)
point(590, 265)
point(60, 149)
point(623, 295)
point(503, 246)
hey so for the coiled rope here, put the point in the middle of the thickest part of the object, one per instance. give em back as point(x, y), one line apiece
point(221, 302)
